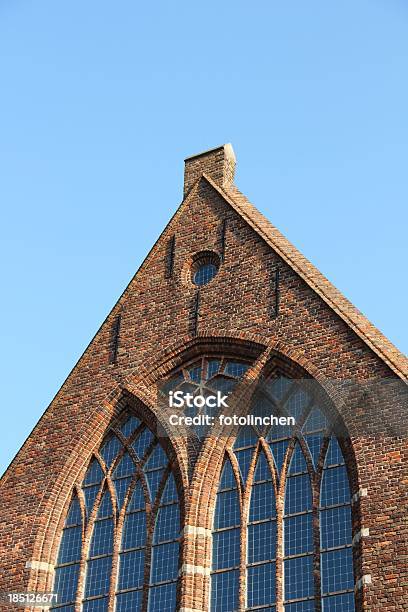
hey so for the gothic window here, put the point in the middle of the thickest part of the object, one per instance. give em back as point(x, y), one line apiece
point(283, 513)
point(123, 524)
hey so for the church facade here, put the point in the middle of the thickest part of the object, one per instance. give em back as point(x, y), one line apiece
point(234, 438)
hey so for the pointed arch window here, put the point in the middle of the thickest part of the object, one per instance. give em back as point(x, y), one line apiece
point(291, 509)
point(123, 524)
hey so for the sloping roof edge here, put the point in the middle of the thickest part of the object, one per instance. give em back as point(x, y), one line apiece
point(372, 337)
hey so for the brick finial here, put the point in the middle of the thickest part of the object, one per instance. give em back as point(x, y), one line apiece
point(218, 163)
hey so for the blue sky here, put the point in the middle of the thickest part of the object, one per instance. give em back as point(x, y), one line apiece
point(100, 103)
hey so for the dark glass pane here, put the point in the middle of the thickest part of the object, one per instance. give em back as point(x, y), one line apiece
point(262, 471)
point(262, 502)
point(131, 569)
point(110, 450)
point(98, 573)
point(137, 501)
point(335, 487)
point(337, 570)
point(262, 542)
point(125, 467)
point(298, 577)
point(94, 474)
point(129, 602)
point(298, 495)
point(335, 527)
point(167, 524)
point(90, 494)
point(142, 443)
point(226, 549)
point(334, 456)
point(279, 387)
point(66, 583)
point(227, 511)
point(170, 491)
point(298, 533)
point(102, 538)
point(244, 460)
point(339, 603)
point(261, 584)
point(129, 426)
point(96, 605)
point(134, 531)
point(74, 516)
point(164, 562)
point(235, 369)
point(227, 477)
point(70, 547)
point(105, 507)
point(121, 488)
point(64, 608)
point(158, 459)
point(224, 591)
point(153, 481)
point(195, 373)
point(297, 461)
point(163, 598)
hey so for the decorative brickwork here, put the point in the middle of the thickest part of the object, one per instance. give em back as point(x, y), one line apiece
point(307, 330)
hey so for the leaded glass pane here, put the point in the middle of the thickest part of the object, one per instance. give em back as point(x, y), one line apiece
point(98, 576)
point(339, 603)
point(121, 488)
point(158, 459)
point(66, 582)
point(213, 367)
point(90, 494)
point(129, 426)
point(170, 491)
point(246, 437)
point(314, 443)
point(105, 507)
point(164, 562)
point(279, 387)
point(337, 570)
point(262, 542)
point(227, 511)
point(298, 577)
point(262, 471)
point(235, 369)
point(224, 591)
point(335, 527)
point(261, 584)
point(153, 481)
point(279, 451)
point(137, 500)
point(96, 605)
point(298, 534)
point(131, 570)
point(244, 461)
point(298, 496)
point(262, 502)
point(163, 598)
point(334, 456)
point(316, 421)
point(142, 443)
point(102, 538)
point(134, 531)
point(227, 477)
point(167, 524)
point(301, 606)
point(335, 487)
point(226, 549)
point(296, 404)
point(129, 602)
point(125, 467)
point(74, 516)
point(297, 462)
point(70, 547)
point(94, 474)
point(110, 450)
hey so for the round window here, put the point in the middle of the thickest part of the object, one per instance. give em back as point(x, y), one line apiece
point(205, 266)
